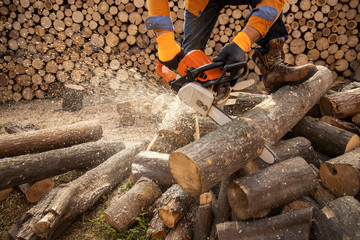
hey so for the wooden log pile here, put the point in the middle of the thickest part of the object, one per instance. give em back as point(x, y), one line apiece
point(209, 188)
point(95, 44)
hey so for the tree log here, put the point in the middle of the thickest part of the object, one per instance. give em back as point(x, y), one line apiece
point(243, 102)
point(183, 231)
point(203, 218)
point(290, 225)
point(341, 124)
point(34, 192)
point(271, 187)
point(73, 98)
point(338, 220)
point(325, 138)
point(123, 212)
point(154, 166)
point(341, 175)
point(200, 165)
point(4, 193)
point(341, 104)
point(33, 167)
point(49, 138)
point(54, 213)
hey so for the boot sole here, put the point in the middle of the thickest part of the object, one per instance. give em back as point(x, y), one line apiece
point(311, 72)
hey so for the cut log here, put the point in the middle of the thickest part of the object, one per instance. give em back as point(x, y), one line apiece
point(49, 138)
point(356, 119)
point(341, 175)
point(290, 148)
point(341, 124)
point(322, 195)
point(128, 112)
point(222, 209)
point(338, 220)
point(156, 229)
point(34, 192)
point(341, 104)
point(49, 217)
point(154, 166)
point(123, 212)
point(325, 138)
point(290, 225)
point(200, 165)
point(243, 102)
point(176, 130)
point(73, 98)
point(271, 187)
point(183, 231)
point(15, 127)
point(33, 167)
point(203, 218)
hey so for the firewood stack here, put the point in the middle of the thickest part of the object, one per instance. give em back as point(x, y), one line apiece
point(94, 43)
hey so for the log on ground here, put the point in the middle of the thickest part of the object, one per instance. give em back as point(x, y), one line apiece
point(325, 138)
point(49, 217)
point(338, 220)
point(49, 138)
point(123, 212)
point(202, 164)
point(32, 167)
point(35, 191)
point(271, 187)
point(291, 225)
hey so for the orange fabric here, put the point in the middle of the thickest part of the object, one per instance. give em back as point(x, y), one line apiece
point(158, 7)
point(243, 41)
point(196, 7)
point(261, 24)
point(167, 47)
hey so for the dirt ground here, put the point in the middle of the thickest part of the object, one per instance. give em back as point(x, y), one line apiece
point(46, 113)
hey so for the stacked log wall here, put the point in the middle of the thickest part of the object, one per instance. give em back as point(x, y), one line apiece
point(104, 44)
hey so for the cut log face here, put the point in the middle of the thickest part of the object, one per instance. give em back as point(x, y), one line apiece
point(291, 225)
point(34, 192)
point(341, 175)
point(271, 187)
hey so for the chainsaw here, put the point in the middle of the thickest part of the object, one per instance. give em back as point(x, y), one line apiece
point(205, 86)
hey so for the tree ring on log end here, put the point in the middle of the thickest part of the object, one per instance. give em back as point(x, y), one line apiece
point(353, 143)
point(186, 173)
point(238, 200)
point(340, 179)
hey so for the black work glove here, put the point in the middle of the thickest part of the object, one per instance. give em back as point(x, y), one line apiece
point(230, 53)
point(173, 63)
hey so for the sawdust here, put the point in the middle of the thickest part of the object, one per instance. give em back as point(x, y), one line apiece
point(47, 113)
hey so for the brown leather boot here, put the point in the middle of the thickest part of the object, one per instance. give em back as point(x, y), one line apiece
point(276, 73)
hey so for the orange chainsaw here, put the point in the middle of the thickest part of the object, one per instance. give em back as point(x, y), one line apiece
point(204, 85)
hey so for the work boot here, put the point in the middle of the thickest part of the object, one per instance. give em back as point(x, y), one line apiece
point(276, 73)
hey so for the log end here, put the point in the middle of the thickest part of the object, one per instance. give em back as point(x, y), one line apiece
point(340, 179)
point(186, 173)
point(39, 189)
point(169, 218)
point(353, 143)
point(238, 200)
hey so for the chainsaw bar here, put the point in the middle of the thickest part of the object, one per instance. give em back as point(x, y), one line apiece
point(201, 99)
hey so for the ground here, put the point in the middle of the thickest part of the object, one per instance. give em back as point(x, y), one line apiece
point(46, 113)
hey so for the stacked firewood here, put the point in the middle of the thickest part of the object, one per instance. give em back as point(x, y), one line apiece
point(197, 180)
point(93, 43)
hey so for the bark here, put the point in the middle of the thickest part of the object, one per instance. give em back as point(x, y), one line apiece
point(271, 187)
point(123, 212)
point(341, 104)
point(152, 165)
point(338, 220)
point(32, 167)
point(49, 138)
point(200, 165)
point(49, 217)
point(183, 231)
point(291, 225)
point(341, 175)
point(326, 139)
point(203, 218)
point(73, 98)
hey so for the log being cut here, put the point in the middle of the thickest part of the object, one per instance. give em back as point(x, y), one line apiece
point(200, 165)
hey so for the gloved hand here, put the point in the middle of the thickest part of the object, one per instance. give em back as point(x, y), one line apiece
point(235, 51)
point(169, 52)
